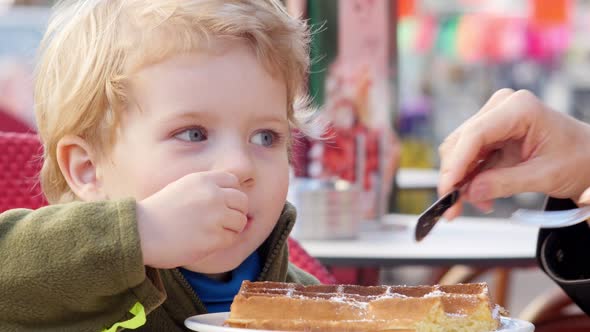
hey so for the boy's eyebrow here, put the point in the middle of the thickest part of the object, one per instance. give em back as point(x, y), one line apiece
point(272, 118)
point(187, 115)
point(203, 115)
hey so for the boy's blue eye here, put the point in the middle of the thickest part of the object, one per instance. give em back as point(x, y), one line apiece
point(265, 138)
point(192, 135)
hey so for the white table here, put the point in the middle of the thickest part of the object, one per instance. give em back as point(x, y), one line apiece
point(472, 241)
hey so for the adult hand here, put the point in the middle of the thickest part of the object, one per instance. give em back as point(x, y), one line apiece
point(539, 150)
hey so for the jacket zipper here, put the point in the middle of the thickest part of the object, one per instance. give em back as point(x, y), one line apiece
point(274, 252)
point(190, 290)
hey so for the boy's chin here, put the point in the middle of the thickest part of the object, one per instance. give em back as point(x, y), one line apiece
point(215, 265)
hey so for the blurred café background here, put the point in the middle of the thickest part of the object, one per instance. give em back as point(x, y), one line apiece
point(392, 79)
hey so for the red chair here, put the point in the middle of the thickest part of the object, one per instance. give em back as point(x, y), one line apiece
point(20, 163)
point(299, 257)
point(10, 123)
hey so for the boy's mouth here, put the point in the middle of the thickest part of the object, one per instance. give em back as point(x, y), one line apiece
point(249, 222)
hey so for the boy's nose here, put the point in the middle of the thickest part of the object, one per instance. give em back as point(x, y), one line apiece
point(239, 163)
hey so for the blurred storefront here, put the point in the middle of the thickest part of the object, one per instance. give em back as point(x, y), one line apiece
point(447, 57)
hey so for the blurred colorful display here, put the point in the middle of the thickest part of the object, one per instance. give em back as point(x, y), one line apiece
point(542, 33)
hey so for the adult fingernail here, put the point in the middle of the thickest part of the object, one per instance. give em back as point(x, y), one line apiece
point(485, 207)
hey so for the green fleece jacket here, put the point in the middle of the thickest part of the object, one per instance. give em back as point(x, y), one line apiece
point(79, 267)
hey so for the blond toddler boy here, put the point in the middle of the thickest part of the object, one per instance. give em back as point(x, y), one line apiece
point(166, 128)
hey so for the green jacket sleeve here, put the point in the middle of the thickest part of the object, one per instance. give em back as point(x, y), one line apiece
point(298, 276)
point(73, 267)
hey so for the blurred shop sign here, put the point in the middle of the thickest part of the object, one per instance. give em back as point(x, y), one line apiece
point(500, 7)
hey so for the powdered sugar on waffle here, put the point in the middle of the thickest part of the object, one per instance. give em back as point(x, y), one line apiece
point(341, 298)
point(435, 293)
point(290, 290)
point(389, 294)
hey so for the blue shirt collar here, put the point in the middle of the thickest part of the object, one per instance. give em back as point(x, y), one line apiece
point(216, 295)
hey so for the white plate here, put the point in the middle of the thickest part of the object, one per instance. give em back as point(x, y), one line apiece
point(214, 323)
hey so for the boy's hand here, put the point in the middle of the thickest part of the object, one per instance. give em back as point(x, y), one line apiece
point(191, 218)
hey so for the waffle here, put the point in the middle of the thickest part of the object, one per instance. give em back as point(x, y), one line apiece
point(345, 308)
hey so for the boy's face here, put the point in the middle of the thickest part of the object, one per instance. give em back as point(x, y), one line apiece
point(202, 112)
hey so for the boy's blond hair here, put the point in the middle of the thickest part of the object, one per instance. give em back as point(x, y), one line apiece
point(92, 47)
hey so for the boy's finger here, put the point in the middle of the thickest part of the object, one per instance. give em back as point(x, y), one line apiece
point(234, 221)
point(228, 237)
point(236, 200)
point(224, 179)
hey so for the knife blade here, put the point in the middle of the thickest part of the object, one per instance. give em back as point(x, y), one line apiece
point(430, 217)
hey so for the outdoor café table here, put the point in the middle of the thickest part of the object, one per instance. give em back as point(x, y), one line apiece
point(475, 241)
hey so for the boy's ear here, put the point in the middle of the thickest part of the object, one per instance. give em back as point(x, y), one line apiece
point(77, 162)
